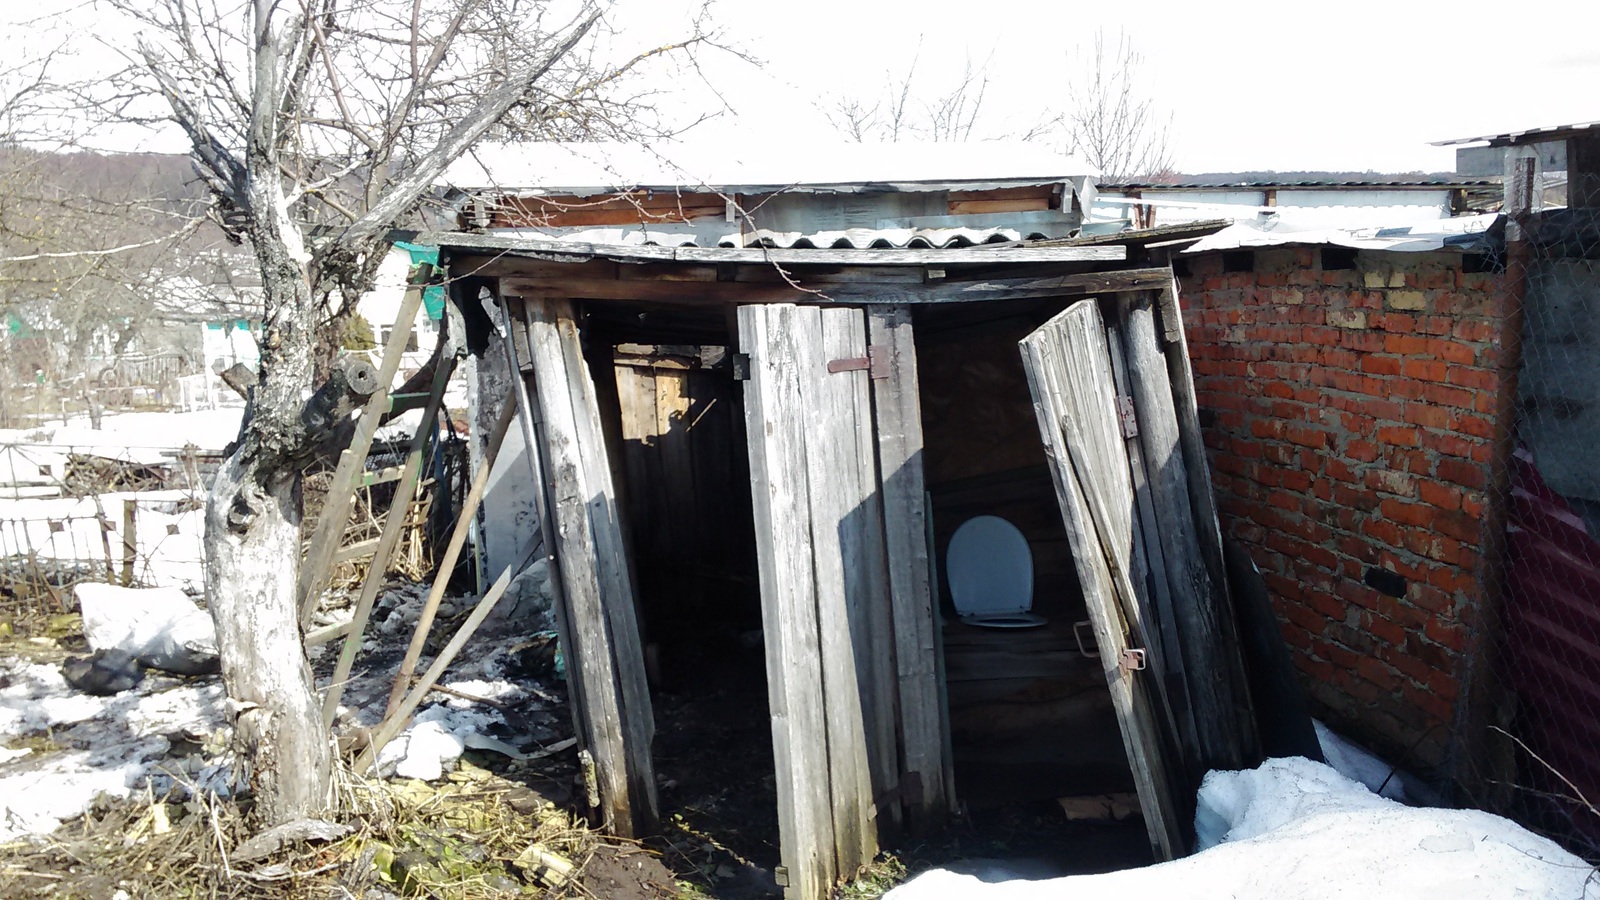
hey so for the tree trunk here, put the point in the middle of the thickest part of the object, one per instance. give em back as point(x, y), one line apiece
point(283, 749)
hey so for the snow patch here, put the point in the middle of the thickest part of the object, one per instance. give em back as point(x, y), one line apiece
point(1295, 828)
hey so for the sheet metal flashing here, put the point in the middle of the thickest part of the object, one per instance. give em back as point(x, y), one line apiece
point(1307, 185)
point(1525, 136)
point(1463, 233)
point(581, 251)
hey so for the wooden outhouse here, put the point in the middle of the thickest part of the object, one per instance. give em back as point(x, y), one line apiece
point(804, 426)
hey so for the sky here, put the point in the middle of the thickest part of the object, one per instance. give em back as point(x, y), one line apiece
point(1352, 86)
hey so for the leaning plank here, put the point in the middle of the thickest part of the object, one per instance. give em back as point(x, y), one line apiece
point(840, 483)
point(612, 568)
point(776, 432)
point(393, 525)
point(922, 720)
point(586, 538)
point(1216, 688)
point(452, 552)
point(1070, 379)
point(396, 720)
point(335, 513)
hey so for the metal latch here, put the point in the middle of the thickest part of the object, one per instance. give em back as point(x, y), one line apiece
point(1126, 417)
point(780, 874)
point(876, 362)
point(1077, 634)
point(1131, 660)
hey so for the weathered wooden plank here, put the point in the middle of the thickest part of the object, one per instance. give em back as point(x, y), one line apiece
point(943, 291)
point(1069, 376)
point(1216, 689)
point(839, 486)
point(336, 509)
point(1150, 566)
point(605, 651)
point(776, 430)
point(922, 718)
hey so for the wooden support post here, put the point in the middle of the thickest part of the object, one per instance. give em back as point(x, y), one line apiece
point(336, 508)
point(394, 523)
point(130, 539)
point(452, 552)
point(604, 651)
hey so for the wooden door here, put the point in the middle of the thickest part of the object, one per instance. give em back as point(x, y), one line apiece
point(825, 591)
point(1074, 394)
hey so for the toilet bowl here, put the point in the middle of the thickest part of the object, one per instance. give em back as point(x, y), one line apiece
point(990, 570)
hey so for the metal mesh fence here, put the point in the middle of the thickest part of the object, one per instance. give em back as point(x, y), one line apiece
point(1534, 713)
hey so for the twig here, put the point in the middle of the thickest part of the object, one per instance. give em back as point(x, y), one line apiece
point(474, 698)
point(1553, 770)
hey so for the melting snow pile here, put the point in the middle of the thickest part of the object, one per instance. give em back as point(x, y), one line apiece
point(83, 746)
point(1295, 828)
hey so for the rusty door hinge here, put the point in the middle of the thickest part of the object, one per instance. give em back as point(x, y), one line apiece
point(876, 362)
point(1126, 417)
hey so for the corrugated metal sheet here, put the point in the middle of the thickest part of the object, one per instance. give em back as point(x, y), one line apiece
point(847, 239)
point(588, 169)
point(1462, 232)
point(1552, 633)
point(1525, 136)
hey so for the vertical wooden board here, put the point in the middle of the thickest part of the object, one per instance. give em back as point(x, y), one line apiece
point(1150, 566)
point(615, 575)
point(1215, 687)
point(604, 651)
point(838, 493)
point(1069, 376)
point(922, 718)
point(776, 428)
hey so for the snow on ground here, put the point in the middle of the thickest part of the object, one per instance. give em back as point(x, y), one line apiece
point(168, 526)
point(1295, 828)
point(59, 749)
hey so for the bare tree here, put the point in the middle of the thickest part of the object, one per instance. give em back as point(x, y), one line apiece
point(317, 126)
point(907, 109)
point(1109, 121)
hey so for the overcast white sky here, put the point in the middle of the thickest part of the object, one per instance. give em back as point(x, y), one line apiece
point(1353, 85)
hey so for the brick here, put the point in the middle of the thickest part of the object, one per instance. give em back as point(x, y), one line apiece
point(1451, 351)
point(1407, 300)
point(1427, 416)
point(1380, 365)
point(1406, 513)
point(1392, 482)
point(1441, 495)
point(1347, 318)
point(1406, 345)
point(1463, 473)
point(1399, 436)
point(1361, 451)
point(1426, 369)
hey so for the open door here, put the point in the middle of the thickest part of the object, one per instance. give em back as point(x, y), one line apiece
point(1074, 394)
point(828, 617)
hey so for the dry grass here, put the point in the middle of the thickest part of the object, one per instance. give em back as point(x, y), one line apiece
point(459, 839)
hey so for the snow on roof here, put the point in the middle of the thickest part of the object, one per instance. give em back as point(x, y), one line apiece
point(585, 169)
point(1525, 136)
point(1463, 232)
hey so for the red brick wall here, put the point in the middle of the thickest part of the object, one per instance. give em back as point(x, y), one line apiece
point(1348, 413)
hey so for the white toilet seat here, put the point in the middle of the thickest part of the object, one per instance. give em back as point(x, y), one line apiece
point(990, 569)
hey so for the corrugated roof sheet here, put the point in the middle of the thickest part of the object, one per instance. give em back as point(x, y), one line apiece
point(1525, 136)
point(586, 169)
point(846, 239)
point(1464, 232)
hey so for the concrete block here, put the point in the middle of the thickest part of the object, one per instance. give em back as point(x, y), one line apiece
point(1410, 300)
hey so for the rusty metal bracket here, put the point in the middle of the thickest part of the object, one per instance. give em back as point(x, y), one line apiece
point(1127, 417)
point(1131, 660)
point(876, 362)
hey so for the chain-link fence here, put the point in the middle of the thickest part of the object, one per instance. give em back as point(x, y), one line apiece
point(1536, 688)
